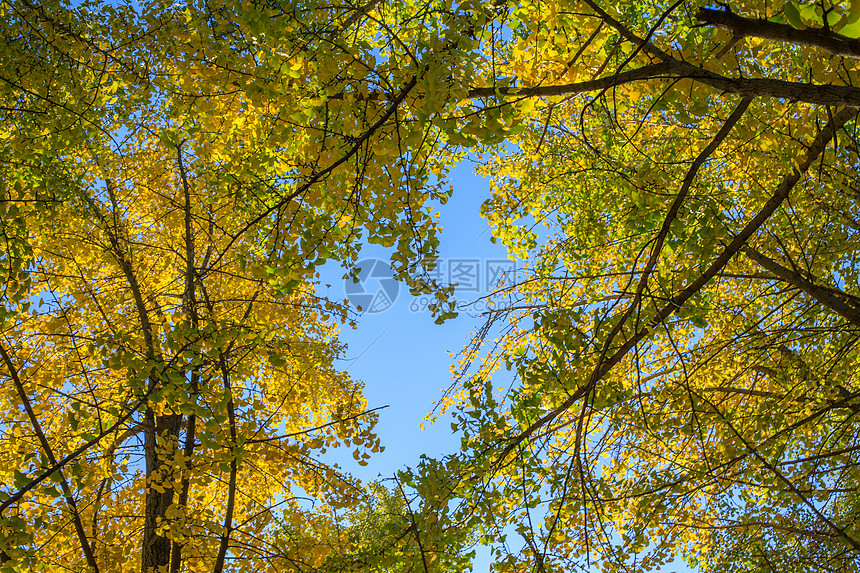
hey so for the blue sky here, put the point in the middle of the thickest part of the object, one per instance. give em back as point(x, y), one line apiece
point(400, 353)
point(402, 356)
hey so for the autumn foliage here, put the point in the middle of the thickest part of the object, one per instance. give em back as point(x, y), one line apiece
point(679, 180)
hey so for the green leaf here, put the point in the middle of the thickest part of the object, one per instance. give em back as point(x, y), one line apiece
point(20, 479)
point(851, 30)
point(793, 16)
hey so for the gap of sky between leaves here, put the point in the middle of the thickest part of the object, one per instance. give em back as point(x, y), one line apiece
point(402, 356)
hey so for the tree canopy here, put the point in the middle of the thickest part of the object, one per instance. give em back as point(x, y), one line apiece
point(173, 176)
point(681, 179)
point(684, 348)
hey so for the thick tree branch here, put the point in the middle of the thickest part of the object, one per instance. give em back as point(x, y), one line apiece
point(644, 73)
point(359, 13)
point(670, 217)
point(156, 548)
point(831, 95)
point(821, 295)
point(741, 27)
point(71, 457)
point(320, 175)
point(189, 302)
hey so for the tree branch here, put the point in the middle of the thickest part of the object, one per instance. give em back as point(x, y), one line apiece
point(821, 295)
point(839, 531)
point(644, 73)
point(741, 27)
point(677, 302)
point(49, 453)
point(831, 95)
point(672, 213)
point(234, 468)
point(841, 96)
